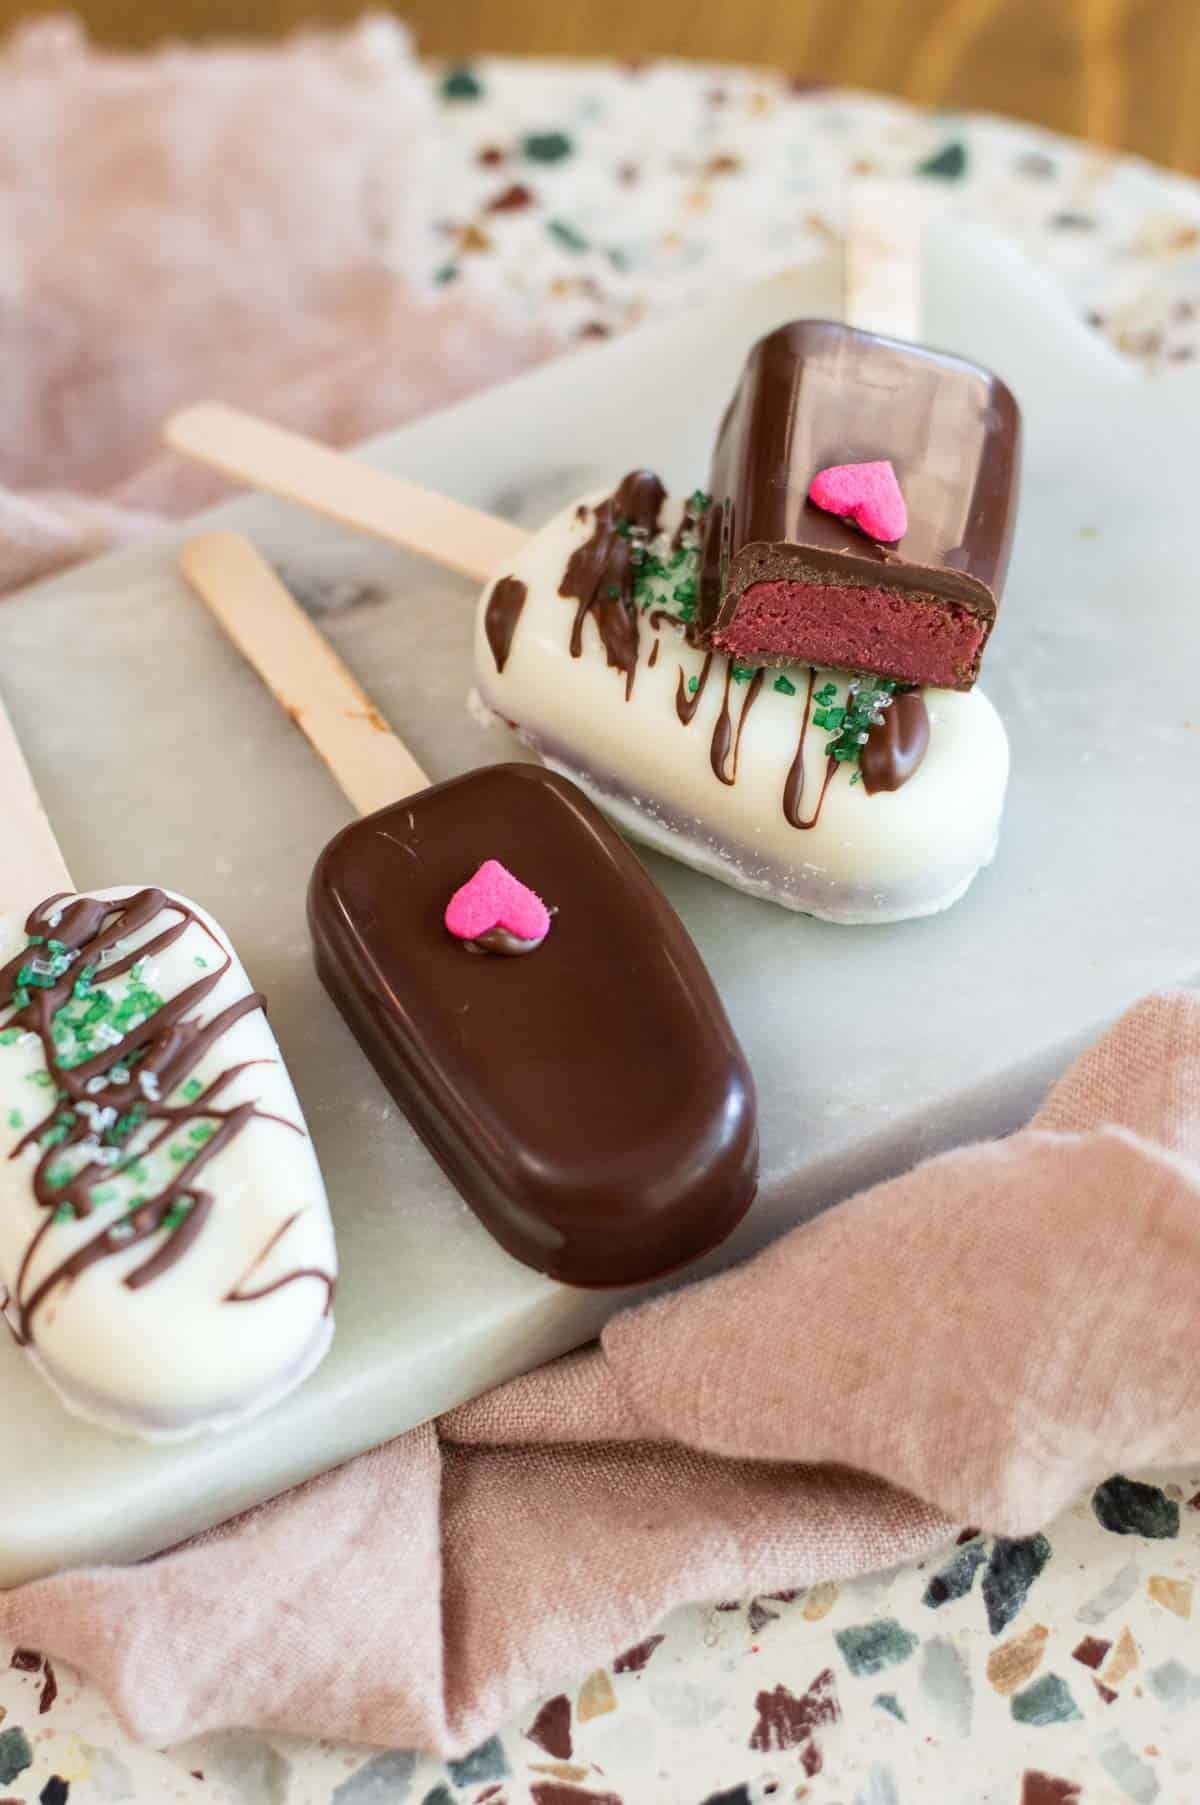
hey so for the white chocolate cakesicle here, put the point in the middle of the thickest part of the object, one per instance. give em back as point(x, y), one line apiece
point(166, 1252)
point(745, 790)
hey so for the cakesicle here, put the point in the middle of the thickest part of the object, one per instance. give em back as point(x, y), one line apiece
point(523, 989)
point(588, 1099)
point(846, 797)
point(166, 1253)
point(825, 414)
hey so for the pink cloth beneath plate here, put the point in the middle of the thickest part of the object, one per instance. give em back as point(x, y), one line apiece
point(238, 223)
point(976, 1341)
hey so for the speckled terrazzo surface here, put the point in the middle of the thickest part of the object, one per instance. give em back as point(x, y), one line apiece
point(1063, 1668)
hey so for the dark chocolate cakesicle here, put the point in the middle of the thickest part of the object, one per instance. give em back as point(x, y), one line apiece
point(785, 582)
point(589, 1098)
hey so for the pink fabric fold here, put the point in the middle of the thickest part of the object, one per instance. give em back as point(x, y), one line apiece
point(979, 1340)
point(239, 223)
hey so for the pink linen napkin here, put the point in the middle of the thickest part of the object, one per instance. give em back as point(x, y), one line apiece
point(977, 1341)
point(240, 223)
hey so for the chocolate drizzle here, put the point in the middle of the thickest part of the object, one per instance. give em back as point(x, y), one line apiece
point(793, 789)
point(503, 612)
point(110, 1110)
point(600, 572)
point(723, 733)
point(896, 746)
point(688, 701)
point(239, 1296)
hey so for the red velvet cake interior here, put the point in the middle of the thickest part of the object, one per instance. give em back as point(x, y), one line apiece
point(912, 637)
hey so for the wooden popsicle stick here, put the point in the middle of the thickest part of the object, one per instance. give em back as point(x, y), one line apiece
point(32, 866)
point(301, 670)
point(882, 257)
point(329, 482)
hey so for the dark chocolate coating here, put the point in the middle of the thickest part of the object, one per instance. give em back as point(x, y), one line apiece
point(815, 394)
point(590, 1102)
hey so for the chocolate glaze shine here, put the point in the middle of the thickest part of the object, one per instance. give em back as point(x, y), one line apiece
point(590, 1102)
point(815, 394)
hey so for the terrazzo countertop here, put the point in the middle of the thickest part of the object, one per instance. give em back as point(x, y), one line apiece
point(1062, 1669)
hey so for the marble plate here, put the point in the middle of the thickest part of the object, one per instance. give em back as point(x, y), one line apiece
point(161, 758)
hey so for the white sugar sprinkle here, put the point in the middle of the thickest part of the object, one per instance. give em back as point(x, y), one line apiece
point(95, 1085)
point(108, 1036)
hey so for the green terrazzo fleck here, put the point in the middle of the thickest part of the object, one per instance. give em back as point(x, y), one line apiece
point(461, 83)
point(15, 1755)
point(1047, 1701)
point(870, 1647)
point(948, 164)
point(546, 147)
point(1129, 1508)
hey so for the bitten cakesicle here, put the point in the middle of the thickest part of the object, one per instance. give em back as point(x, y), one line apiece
point(863, 494)
point(166, 1253)
point(525, 992)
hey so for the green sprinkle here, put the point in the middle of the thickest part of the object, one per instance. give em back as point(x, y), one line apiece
point(742, 673)
point(83, 983)
point(203, 1131)
point(65, 1213)
point(106, 1194)
point(61, 1175)
point(42, 1079)
point(566, 235)
point(547, 147)
point(15, 1119)
point(191, 1090)
point(54, 946)
point(178, 1213)
point(698, 501)
point(54, 1137)
point(20, 997)
point(9, 1037)
point(845, 755)
point(38, 940)
point(833, 719)
point(784, 686)
point(202, 963)
point(137, 1172)
point(179, 1154)
point(693, 685)
point(614, 592)
point(124, 1125)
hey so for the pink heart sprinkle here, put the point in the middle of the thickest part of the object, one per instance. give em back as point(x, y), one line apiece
point(867, 494)
point(494, 898)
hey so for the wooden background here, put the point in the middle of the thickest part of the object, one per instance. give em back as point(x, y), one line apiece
point(1125, 72)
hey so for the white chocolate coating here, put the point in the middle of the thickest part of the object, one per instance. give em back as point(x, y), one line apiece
point(175, 1356)
point(876, 857)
